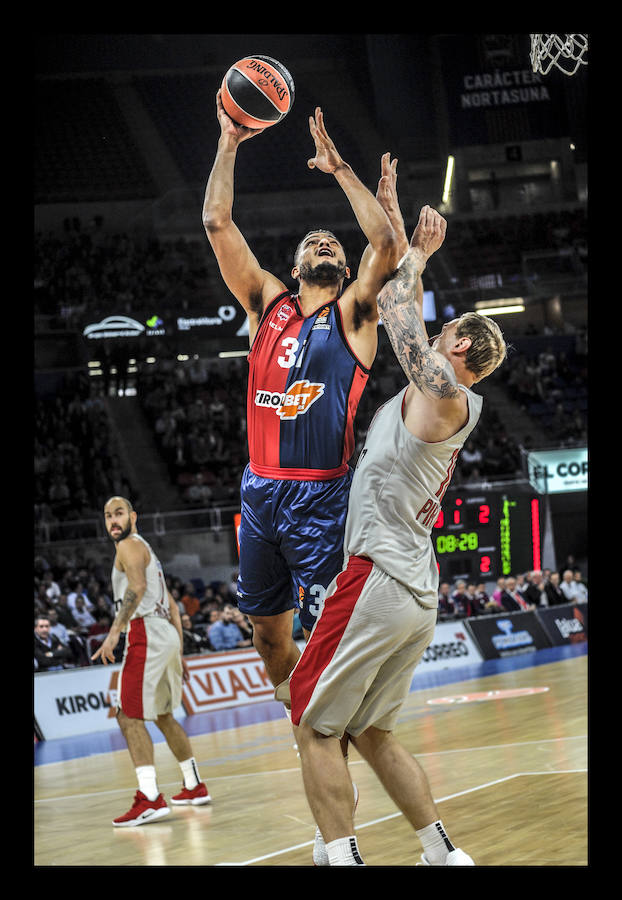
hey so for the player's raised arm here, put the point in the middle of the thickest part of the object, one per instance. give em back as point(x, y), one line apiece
point(386, 195)
point(400, 306)
point(251, 285)
point(370, 215)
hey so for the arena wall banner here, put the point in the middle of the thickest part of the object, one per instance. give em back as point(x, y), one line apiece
point(226, 320)
point(489, 84)
point(224, 680)
point(559, 471)
point(77, 701)
point(81, 701)
point(451, 647)
point(565, 624)
point(508, 635)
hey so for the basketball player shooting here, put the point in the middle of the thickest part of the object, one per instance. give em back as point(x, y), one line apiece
point(311, 353)
point(380, 612)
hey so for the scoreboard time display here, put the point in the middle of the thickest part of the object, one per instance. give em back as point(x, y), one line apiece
point(482, 536)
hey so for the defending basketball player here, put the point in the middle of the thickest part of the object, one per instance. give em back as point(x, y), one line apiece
point(153, 666)
point(380, 612)
point(310, 356)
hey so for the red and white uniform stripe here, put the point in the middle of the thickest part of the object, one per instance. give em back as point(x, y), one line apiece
point(396, 496)
point(380, 611)
point(151, 674)
point(357, 667)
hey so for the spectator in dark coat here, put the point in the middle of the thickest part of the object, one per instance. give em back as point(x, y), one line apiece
point(50, 654)
point(554, 593)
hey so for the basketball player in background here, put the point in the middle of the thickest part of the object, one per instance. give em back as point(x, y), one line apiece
point(380, 612)
point(311, 352)
point(153, 666)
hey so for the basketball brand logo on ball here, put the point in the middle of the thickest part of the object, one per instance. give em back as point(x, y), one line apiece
point(257, 92)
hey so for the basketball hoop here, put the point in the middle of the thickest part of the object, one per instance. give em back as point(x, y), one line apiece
point(565, 51)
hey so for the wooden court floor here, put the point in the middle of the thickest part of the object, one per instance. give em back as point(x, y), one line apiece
point(506, 756)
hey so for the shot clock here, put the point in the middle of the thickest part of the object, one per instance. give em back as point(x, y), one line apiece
point(482, 535)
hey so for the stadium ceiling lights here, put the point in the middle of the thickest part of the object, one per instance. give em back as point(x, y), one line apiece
point(500, 307)
point(449, 174)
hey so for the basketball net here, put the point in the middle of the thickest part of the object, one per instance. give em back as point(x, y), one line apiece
point(565, 51)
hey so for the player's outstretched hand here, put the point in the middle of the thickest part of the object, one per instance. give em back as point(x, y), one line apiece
point(327, 158)
point(429, 233)
point(106, 650)
point(228, 126)
point(386, 195)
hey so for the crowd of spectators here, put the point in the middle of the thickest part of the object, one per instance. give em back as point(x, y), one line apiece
point(563, 230)
point(512, 593)
point(77, 465)
point(74, 608)
point(88, 270)
point(551, 386)
point(196, 409)
point(197, 413)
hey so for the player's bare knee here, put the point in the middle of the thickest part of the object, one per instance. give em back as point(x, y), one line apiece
point(127, 724)
point(164, 720)
point(371, 740)
point(121, 717)
point(270, 639)
point(307, 736)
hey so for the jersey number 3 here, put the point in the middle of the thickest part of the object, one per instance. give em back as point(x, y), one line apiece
point(290, 345)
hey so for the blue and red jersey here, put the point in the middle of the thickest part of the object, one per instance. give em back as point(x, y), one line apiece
point(304, 387)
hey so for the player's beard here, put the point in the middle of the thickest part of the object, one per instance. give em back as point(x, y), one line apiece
point(122, 534)
point(323, 274)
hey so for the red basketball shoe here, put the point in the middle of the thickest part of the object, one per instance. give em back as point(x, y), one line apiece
point(143, 811)
point(196, 796)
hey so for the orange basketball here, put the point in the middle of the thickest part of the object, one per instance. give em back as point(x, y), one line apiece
point(257, 92)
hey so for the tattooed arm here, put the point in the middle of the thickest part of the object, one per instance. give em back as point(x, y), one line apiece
point(400, 303)
point(388, 199)
point(132, 559)
point(428, 370)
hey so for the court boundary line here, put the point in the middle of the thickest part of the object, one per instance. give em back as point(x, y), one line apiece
point(395, 815)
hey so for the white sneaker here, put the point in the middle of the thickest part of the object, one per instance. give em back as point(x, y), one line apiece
point(457, 857)
point(320, 853)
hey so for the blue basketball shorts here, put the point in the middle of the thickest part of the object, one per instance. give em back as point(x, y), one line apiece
point(291, 543)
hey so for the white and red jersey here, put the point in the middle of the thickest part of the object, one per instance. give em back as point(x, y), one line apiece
point(396, 496)
point(304, 387)
point(154, 601)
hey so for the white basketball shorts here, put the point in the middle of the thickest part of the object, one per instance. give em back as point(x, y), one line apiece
point(358, 665)
point(151, 674)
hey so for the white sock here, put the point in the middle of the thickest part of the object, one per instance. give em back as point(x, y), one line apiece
point(344, 852)
point(436, 845)
point(320, 854)
point(190, 771)
point(147, 782)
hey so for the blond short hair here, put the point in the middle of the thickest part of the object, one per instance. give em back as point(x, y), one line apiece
point(488, 348)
